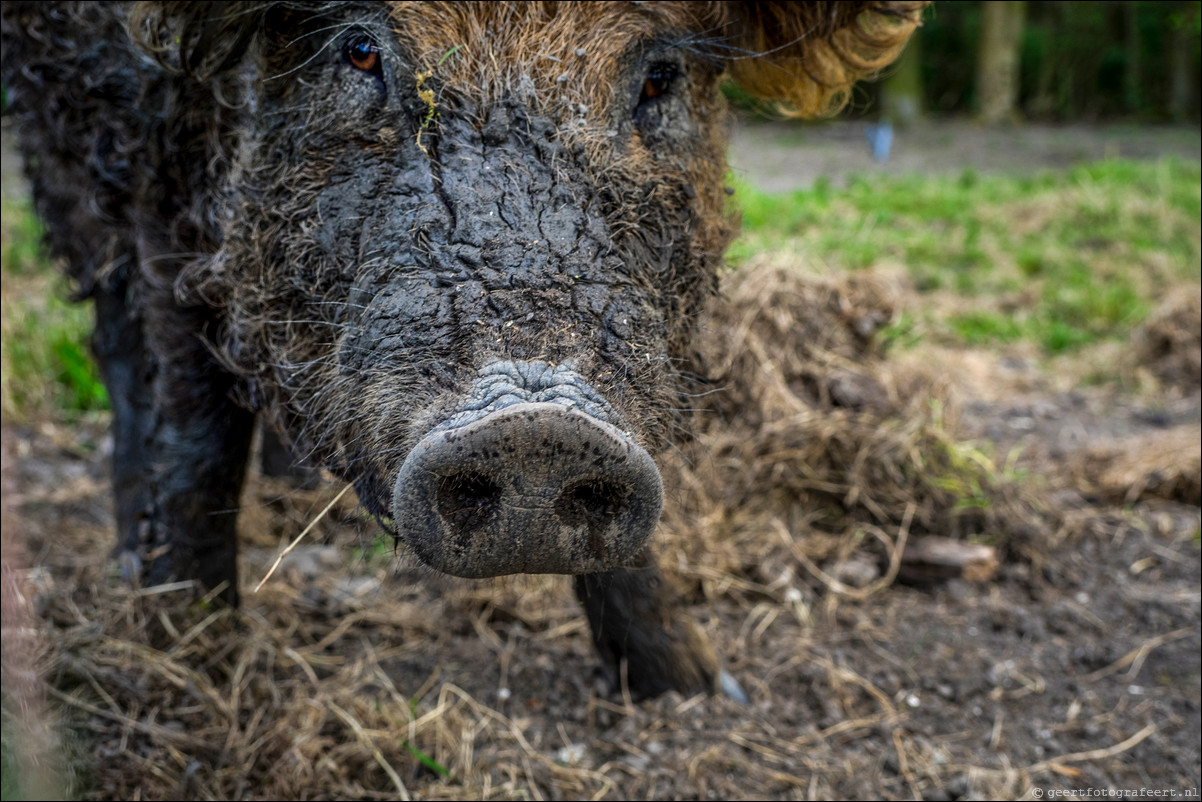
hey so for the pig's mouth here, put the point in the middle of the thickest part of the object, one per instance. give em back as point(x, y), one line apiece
point(529, 476)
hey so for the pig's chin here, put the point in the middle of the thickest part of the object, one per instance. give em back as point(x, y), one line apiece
point(527, 478)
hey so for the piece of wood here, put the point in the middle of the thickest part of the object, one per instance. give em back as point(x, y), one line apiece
point(932, 558)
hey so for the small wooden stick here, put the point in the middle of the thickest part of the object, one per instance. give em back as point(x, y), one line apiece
point(294, 543)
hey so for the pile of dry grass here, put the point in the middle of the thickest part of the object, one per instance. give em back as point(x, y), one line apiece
point(275, 701)
point(1161, 464)
point(817, 448)
point(1157, 464)
point(1169, 343)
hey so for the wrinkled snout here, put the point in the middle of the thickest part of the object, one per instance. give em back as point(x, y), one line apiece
point(533, 487)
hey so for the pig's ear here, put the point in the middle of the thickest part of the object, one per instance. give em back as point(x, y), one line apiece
point(805, 56)
point(202, 39)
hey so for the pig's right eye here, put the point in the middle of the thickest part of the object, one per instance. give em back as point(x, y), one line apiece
point(363, 54)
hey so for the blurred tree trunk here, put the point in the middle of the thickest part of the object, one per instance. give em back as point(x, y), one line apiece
point(1181, 93)
point(901, 92)
point(1132, 79)
point(1042, 102)
point(998, 60)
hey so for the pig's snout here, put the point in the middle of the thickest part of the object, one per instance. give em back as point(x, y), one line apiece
point(532, 487)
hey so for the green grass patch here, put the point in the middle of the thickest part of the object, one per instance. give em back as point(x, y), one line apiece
point(379, 552)
point(22, 252)
point(976, 328)
point(47, 368)
point(427, 761)
point(1060, 258)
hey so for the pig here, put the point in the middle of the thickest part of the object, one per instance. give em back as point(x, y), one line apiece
point(454, 253)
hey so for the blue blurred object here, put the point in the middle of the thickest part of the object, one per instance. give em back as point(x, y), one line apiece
point(880, 139)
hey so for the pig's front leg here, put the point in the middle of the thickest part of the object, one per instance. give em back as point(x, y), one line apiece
point(634, 622)
point(128, 370)
point(197, 489)
point(180, 446)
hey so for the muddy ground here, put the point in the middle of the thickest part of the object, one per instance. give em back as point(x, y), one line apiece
point(1075, 668)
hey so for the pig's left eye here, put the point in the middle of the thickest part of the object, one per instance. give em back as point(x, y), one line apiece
point(363, 54)
point(658, 82)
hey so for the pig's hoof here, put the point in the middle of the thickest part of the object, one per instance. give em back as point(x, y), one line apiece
point(699, 668)
point(729, 687)
point(129, 567)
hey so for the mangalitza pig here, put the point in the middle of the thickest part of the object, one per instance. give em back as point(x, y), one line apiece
point(454, 253)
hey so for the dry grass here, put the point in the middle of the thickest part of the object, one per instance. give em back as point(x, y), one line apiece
point(1169, 343)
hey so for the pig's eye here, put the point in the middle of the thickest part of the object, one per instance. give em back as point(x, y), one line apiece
point(364, 54)
point(658, 82)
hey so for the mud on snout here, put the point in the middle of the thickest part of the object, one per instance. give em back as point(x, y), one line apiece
point(529, 475)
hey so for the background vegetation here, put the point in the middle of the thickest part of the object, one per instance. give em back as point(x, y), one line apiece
point(1058, 259)
point(47, 366)
point(1075, 60)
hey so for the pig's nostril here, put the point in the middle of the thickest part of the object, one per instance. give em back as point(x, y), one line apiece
point(467, 499)
point(593, 502)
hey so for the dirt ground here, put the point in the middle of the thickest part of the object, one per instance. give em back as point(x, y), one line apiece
point(1073, 670)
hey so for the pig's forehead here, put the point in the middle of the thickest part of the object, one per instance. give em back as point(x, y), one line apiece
point(496, 46)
